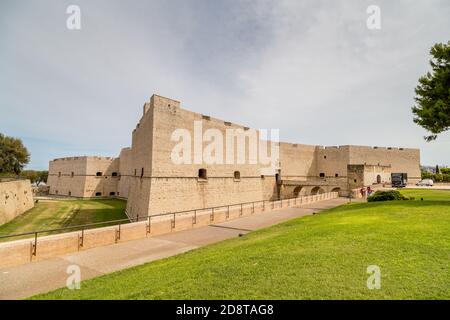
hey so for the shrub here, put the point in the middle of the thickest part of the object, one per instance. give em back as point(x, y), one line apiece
point(386, 196)
point(437, 177)
point(427, 175)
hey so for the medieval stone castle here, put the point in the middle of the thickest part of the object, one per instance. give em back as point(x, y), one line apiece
point(152, 183)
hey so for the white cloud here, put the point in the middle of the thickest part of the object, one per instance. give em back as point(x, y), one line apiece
point(310, 68)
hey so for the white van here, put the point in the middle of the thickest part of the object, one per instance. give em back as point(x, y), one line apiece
point(425, 182)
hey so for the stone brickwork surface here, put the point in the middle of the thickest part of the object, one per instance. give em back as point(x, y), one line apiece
point(16, 197)
point(84, 177)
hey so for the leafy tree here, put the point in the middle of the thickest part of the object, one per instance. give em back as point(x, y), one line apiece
point(42, 177)
point(13, 155)
point(35, 176)
point(436, 177)
point(29, 174)
point(437, 169)
point(432, 109)
point(427, 175)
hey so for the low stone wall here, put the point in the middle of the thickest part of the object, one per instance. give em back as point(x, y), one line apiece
point(15, 198)
point(28, 250)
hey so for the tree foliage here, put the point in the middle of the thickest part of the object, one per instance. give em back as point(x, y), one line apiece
point(437, 177)
point(13, 155)
point(35, 176)
point(432, 109)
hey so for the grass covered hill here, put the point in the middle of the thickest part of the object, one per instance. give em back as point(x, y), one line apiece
point(324, 256)
point(54, 214)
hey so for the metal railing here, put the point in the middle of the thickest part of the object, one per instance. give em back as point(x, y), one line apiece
point(212, 210)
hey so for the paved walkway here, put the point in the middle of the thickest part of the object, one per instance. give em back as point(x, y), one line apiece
point(43, 276)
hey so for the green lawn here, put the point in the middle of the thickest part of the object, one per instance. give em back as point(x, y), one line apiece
point(324, 256)
point(64, 213)
point(427, 194)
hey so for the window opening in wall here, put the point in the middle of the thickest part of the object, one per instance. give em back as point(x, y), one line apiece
point(99, 174)
point(322, 175)
point(97, 194)
point(114, 174)
point(202, 174)
point(72, 174)
point(142, 172)
point(277, 178)
point(336, 175)
point(112, 193)
point(237, 175)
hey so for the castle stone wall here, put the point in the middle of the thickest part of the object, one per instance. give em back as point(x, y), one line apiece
point(67, 176)
point(154, 183)
point(15, 198)
point(401, 160)
point(172, 186)
point(126, 171)
point(84, 177)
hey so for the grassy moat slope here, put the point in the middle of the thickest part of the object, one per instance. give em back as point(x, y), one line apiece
point(54, 214)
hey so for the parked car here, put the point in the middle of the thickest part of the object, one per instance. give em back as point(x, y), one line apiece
point(425, 182)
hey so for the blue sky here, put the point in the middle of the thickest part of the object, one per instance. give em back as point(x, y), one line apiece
point(310, 68)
